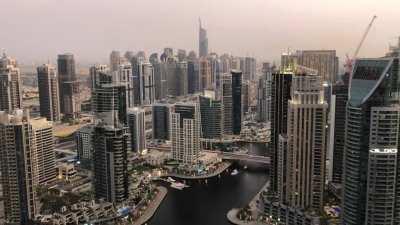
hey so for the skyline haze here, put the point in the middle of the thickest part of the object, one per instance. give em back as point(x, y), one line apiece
point(38, 31)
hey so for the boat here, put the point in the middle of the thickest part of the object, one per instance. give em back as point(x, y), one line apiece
point(169, 179)
point(178, 185)
point(234, 172)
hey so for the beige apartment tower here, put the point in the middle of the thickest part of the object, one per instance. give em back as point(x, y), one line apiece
point(306, 143)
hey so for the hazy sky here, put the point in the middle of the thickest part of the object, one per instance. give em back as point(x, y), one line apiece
point(37, 30)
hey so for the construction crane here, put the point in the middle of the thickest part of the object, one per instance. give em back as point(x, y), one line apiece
point(349, 61)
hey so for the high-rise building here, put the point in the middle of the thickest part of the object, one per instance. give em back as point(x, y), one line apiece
point(245, 96)
point(306, 143)
point(216, 73)
point(280, 96)
point(236, 101)
point(46, 161)
point(264, 97)
point(372, 125)
point(147, 83)
point(112, 91)
point(226, 96)
point(193, 77)
point(155, 62)
point(10, 84)
point(339, 98)
point(249, 70)
point(182, 78)
point(68, 86)
point(110, 97)
point(136, 123)
point(111, 142)
point(282, 154)
point(19, 171)
point(381, 186)
point(211, 111)
point(324, 61)
point(160, 119)
point(185, 132)
point(171, 76)
point(168, 52)
point(84, 145)
point(203, 41)
point(49, 98)
point(115, 60)
point(181, 55)
point(205, 75)
point(95, 78)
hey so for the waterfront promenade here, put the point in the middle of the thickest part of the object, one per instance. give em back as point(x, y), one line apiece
point(219, 170)
point(152, 207)
point(232, 214)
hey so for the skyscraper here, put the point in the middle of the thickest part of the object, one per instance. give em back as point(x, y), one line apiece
point(10, 85)
point(249, 70)
point(112, 91)
point(49, 98)
point(211, 111)
point(111, 142)
point(381, 186)
point(182, 78)
point(226, 92)
point(245, 96)
point(18, 167)
point(84, 145)
point(203, 41)
point(68, 86)
point(193, 77)
point(339, 97)
point(147, 83)
point(155, 62)
point(45, 154)
point(185, 131)
point(236, 101)
point(160, 114)
point(205, 75)
point(136, 123)
point(280, 96)
point(372, 130)
point(264, 97)
point(115, 60)
point(324, 61)
point(306, 143)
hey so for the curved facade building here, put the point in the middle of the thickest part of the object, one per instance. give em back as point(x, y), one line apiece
point(371, 123)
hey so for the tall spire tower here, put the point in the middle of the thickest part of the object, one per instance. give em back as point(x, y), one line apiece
point(203, 41)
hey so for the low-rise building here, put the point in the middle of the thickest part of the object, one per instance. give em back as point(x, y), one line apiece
point(66, 171)
point(80, 213)
point(156, 158)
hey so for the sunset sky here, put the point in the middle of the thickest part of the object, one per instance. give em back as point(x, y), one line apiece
point(38, 30)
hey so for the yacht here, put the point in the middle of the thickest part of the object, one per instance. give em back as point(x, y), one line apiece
point(234, 172)
point(169, 179)
point(178, 185)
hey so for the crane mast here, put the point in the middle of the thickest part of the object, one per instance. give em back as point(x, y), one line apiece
point(350, 61)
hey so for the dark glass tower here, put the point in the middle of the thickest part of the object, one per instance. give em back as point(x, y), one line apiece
point(111, 144)
point(280, 95)
point(211, 118)
point(203, 41)
point(160, 121)
point(340, 91)
point(372, 127)
point(236, 101)
point(69, 86)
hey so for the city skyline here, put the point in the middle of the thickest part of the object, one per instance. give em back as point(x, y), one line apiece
point(264, 29)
